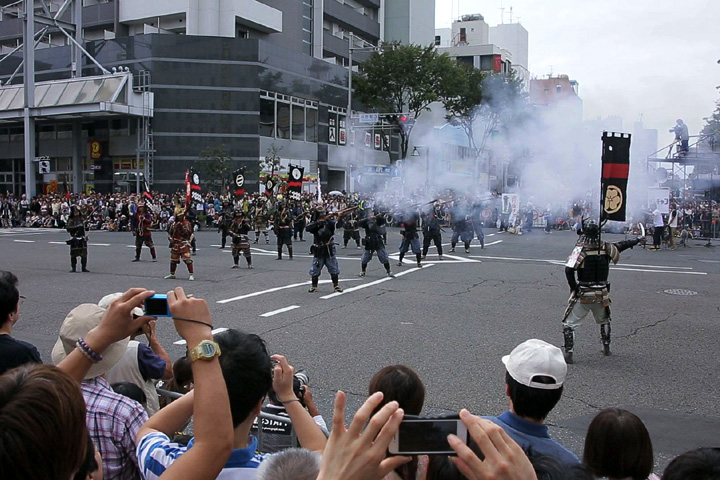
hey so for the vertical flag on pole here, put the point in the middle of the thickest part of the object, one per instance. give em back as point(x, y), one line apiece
point(319, 198)
point(295, 182)
point(147, 193)
point(239, 182)
point(615, 171)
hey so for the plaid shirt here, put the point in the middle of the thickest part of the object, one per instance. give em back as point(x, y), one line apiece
point(113, 421)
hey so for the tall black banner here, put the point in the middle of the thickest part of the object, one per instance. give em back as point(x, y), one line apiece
point(295, 181)
point(239, 182)
point(194, 186)
point(615, 171)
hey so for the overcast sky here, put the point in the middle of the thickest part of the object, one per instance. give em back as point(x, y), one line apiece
point(657, 58)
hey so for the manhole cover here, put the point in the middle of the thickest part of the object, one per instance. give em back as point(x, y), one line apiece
point(679, 291)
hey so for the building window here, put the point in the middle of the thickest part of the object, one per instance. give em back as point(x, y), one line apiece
point(298, 122)
point(267, 117)
point(283, 120)
point(311, 124)
point(558, 88)
point(437, 40)
point(463, 35)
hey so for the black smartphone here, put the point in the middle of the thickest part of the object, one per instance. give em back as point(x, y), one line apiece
point(157, 306)
point(427, 436)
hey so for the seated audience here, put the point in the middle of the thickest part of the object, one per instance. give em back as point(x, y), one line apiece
point(290, 464)
point(699, 464)
point(401, 384)
point(13, 352)
point(617, 446)
point(141, 364)
point(535, 372)
point(248, 375)
point(42, 412)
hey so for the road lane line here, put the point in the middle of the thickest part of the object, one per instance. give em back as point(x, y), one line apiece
point(276, 289)
point(460, 259)
point(280, 310)
point(24, 241)
point(658, 271)
point(375, 282)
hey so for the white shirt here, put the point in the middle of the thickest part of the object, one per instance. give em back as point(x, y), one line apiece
point(658, 218)
point(673, 219)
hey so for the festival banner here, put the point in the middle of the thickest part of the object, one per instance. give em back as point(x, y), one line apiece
point(239, 182)
point(146, 192)
point(192, 187)
point(295, 180)
point(615, 171)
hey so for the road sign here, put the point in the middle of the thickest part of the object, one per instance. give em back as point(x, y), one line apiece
point(44, 166)
point(368, 118)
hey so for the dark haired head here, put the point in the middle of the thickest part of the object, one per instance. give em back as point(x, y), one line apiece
point(42, 420)
point(402, 384)
point(89, 464)
point(247, 371)
point(9, 298)
point(529, 402)
point(699, 464)
point(9, 277)
point(131, 391)
point(618, 445)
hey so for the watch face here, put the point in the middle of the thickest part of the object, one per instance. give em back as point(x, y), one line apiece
point(208, 349)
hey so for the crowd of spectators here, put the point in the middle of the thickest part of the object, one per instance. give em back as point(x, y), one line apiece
point(68, 421)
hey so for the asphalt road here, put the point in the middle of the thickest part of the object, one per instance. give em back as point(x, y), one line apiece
point(452, 321)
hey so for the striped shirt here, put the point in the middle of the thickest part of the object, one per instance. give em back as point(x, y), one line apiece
point(155, 453)
point(113, 421)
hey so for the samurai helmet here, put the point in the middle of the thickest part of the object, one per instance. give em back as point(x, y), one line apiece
point(179, 211)
point(589, 232)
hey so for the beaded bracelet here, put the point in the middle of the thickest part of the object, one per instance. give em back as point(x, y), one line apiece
point(89, 352)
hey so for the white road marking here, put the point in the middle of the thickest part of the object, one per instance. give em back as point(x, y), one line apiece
point(276, 289)
point(461, 259)
point(658, 271)
point(280, 310)
point(375, 282)
point(58, 243)
point(24, 241)
point(645, 268)
point(99, 244)
point(492, 243)
point(217, 330)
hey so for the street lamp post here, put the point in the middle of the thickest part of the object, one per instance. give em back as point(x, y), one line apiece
point(416, 153)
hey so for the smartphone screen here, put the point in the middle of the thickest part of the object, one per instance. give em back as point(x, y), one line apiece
point(426, 436)
point(157, 306)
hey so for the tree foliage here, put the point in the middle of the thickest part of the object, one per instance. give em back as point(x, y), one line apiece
point(712, 126)
point(463, 106)
point(216, 166)
point(405, 79)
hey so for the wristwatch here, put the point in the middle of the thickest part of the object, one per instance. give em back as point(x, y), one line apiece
point(205, 350)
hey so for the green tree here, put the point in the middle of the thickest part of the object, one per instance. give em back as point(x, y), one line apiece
point(505, 105)
point(216, 166)
point(464, 106)
point(404, 79)
point(712, 126)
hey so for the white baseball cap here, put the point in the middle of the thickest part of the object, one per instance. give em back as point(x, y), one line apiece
point(534, 358)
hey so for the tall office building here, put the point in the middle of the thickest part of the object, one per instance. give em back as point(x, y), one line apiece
point(245, 74)
point(410, 21)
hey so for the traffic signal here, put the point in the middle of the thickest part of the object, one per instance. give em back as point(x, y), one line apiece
point(406, 123)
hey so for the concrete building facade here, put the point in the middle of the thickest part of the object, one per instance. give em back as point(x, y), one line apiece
point(245, 74)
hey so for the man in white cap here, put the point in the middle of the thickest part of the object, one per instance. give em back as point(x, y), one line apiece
point(535, 373)
point(113, 420)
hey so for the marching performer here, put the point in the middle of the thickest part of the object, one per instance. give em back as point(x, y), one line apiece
point(323, 249)
point(226, 219)
point(282, 228)
point(432, 231)
point(78, 242)
point(411, 239)
point(590, 259)
point(374, 230)
point(240, 240)
point(141, 223)
point(260, 215)
point(350, 229)
point(180, 233)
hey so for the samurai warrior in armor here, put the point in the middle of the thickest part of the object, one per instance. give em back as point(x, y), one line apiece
point(260, 215)
point(282, 227)
point(411, 239)
point(590, 259)
point(240, 240)
point(374, 230)
point(141, 223)
point(323, 249)
point(432, 231)
point(78, 241)
point(179, 235)
point(462, 228)
point(226, 219)
point(350, 229)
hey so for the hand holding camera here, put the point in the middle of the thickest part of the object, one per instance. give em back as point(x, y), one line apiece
point(193, 321)
point(283, 374)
